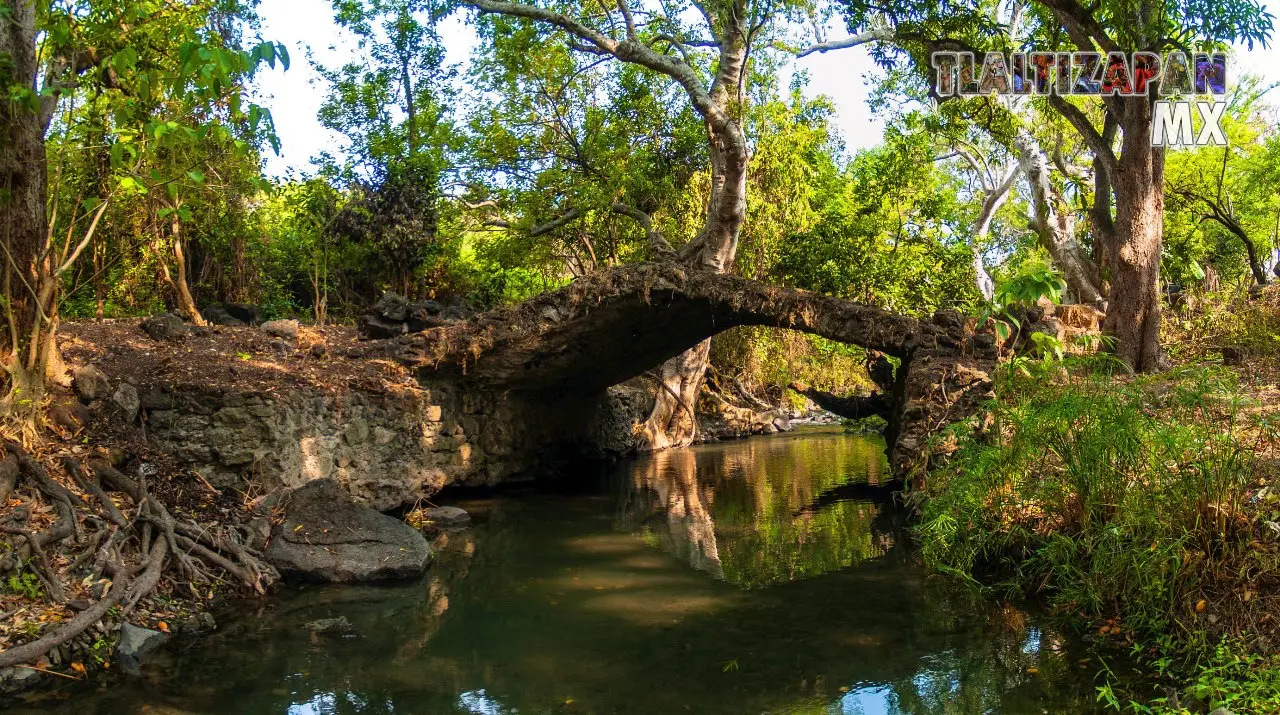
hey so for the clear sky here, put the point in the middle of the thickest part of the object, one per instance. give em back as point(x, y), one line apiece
point(294, 96)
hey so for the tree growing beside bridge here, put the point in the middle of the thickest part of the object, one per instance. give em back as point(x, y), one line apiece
point(660, 40)
point(1128, 207)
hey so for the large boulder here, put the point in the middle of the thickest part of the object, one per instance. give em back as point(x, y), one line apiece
point(165, 326)
point(328, 536)
point(284, 329)
point(90, 383)
point(244, 312)
point(218, 315)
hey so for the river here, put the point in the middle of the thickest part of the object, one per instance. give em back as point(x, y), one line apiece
point(761, 576)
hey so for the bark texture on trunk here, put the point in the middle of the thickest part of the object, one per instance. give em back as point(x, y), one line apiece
point(672, 423)
point(23, 227)
point(1056, 228)
point(991, 203)
point(1133, 313)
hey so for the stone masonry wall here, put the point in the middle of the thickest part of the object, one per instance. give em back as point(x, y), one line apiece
point(387, 450)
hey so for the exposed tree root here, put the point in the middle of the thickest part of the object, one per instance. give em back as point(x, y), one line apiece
point(137, 546)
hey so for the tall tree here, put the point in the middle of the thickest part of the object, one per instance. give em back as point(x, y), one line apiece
point(23, 186)
point(89, 54)
point(1230, 189)
point(391, 105)
point(660, 40)
point(1129, 207)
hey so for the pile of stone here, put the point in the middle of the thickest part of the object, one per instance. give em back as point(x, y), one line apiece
point(395, 315)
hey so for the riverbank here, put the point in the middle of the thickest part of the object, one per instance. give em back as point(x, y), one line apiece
point(748, 576)
point(139, 506)
point(1143, 508)
point(158, 426)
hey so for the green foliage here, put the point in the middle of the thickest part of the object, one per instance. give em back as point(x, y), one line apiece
point(1238, 680)
point(25, 584)
point(1033, 280)
point(884, 234)
point(100, 651)
point(1230, 318)
point(762, 358)
point(392, 106)
point(1098, 493)
point(1219, 197)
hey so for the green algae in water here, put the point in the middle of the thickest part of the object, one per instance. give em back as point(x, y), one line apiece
point(747, 577)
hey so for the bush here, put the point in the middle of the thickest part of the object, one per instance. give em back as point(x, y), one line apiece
point(1111, 496)
point(1131, 500)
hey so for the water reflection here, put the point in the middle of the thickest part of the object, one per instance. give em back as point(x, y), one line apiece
point(765, 512)
point(752, 577)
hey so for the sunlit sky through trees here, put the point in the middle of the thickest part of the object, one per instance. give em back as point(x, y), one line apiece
point(295, 96)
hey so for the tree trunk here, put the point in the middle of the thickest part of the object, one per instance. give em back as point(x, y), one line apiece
point(1255, 261)
point(1055, 228)
point(670, 424)
point(716, 244)
point(991, 203)
point(1101, 221)
point(23, 227)
point(182, 291)
point(1133, 314)
point(673, 420)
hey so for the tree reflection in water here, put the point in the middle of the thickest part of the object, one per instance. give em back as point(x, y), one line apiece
point(764, 512)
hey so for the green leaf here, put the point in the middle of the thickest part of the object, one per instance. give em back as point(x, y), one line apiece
point(196, 176)
point(125, 60)
point(1196, 270)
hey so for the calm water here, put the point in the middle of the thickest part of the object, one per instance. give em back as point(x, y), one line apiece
point(748, 577)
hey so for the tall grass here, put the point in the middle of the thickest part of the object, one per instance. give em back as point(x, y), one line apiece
point(1109, 495)
point(1231, 318)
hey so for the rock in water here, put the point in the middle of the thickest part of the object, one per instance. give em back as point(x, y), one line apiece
point(90, 384)
point(16, 680)
point(330, 625)
point(447, 517)
point(165, 326)
point(286, 329)
point(135, 644)
point(327, 536)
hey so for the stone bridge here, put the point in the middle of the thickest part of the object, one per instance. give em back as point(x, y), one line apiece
point(574, 343)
